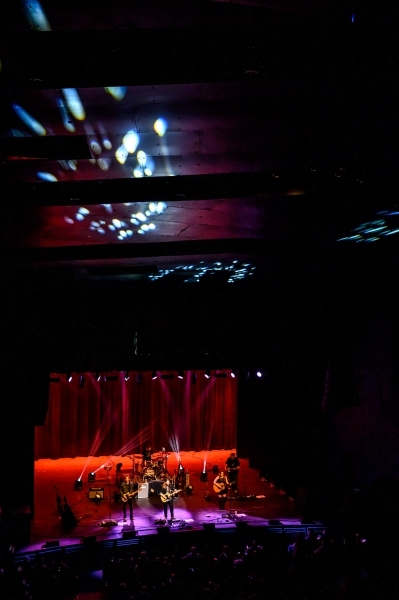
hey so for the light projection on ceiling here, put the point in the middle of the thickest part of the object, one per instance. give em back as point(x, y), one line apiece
point(74, 103)
point(118, 93)
point(29, 121)
point(100, 220)
point(234, 271)
point(35, 15)
point(385, 225)
point(116, 144)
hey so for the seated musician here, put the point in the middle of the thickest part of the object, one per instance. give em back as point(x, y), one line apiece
point(220, 484)
point(147, 456)
point(232, 467)
point(168, 493)
point(127, 494)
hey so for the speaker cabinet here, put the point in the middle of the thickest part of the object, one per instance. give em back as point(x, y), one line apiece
point(128, 533)
point(96, 493)
point(143, 490)
point(52, 544)
point(164, 530)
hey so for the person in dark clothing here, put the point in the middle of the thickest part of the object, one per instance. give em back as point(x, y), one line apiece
point(232, 467)
point(127, 493)
point(147, 455)
point(168, 493)
point(220, 484)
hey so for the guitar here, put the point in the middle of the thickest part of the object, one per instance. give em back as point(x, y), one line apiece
point(125, 497)
point(168, 496)
point(217, 487)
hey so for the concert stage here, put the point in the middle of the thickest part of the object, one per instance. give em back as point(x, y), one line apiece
point(257, 501)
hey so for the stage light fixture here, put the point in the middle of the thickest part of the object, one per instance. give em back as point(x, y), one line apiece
point(81, 381)
point(204, 474)
point(139, 378)
point(233, 374)
point(127, 376)
point(78, 484)
point(194, 378)
point(69, 377)
point(207, 374)
point(91, 477)
point(180, 375)
point(154, 375)
point(97, 376)
point(258, 373)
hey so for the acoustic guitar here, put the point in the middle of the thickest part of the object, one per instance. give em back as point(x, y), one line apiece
point(218, 487)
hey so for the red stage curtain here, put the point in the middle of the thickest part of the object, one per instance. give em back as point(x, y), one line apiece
point(118, 417)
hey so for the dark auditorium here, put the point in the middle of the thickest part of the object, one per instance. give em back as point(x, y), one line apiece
point(199, 320)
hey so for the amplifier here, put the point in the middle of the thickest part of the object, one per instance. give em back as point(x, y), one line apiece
point(96, 493)
point(143, 490)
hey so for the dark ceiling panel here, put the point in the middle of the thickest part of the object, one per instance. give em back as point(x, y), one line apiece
point(48, 148)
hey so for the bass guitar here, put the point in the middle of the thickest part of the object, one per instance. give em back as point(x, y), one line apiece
point(168, 496)
point(125, 497)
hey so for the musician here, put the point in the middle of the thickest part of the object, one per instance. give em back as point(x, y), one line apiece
point(147, 456)
point(167, 490)
point(232, 467)
point(220, 484)
point(127, 488)
point(181, 474)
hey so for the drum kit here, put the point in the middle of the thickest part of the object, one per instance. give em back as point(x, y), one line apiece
point(150, 470)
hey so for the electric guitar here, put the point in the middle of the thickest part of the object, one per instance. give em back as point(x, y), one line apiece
point(125, 497)
point(168, 496)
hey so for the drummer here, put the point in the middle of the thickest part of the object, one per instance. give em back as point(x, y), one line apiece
point(147, 456)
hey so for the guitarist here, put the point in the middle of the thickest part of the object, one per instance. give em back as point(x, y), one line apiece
point(232, 467)
point(220, 484)
point(167, 495)
point(127, 493)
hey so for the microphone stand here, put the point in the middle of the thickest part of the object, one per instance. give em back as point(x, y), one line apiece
point(110, 522)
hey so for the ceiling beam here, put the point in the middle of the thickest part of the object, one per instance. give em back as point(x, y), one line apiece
point(60, 59)
point(326, 183)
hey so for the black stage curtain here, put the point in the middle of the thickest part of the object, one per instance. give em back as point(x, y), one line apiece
point(118, 417)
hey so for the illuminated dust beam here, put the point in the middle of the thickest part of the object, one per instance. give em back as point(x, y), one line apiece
point(98, 438)
point(105, 425)
point(131, 443)
point(143, 435)
point(173, 438)
point(208, 441)
point(201, 398)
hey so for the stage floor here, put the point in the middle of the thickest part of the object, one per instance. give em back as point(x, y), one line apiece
point(258, 502)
